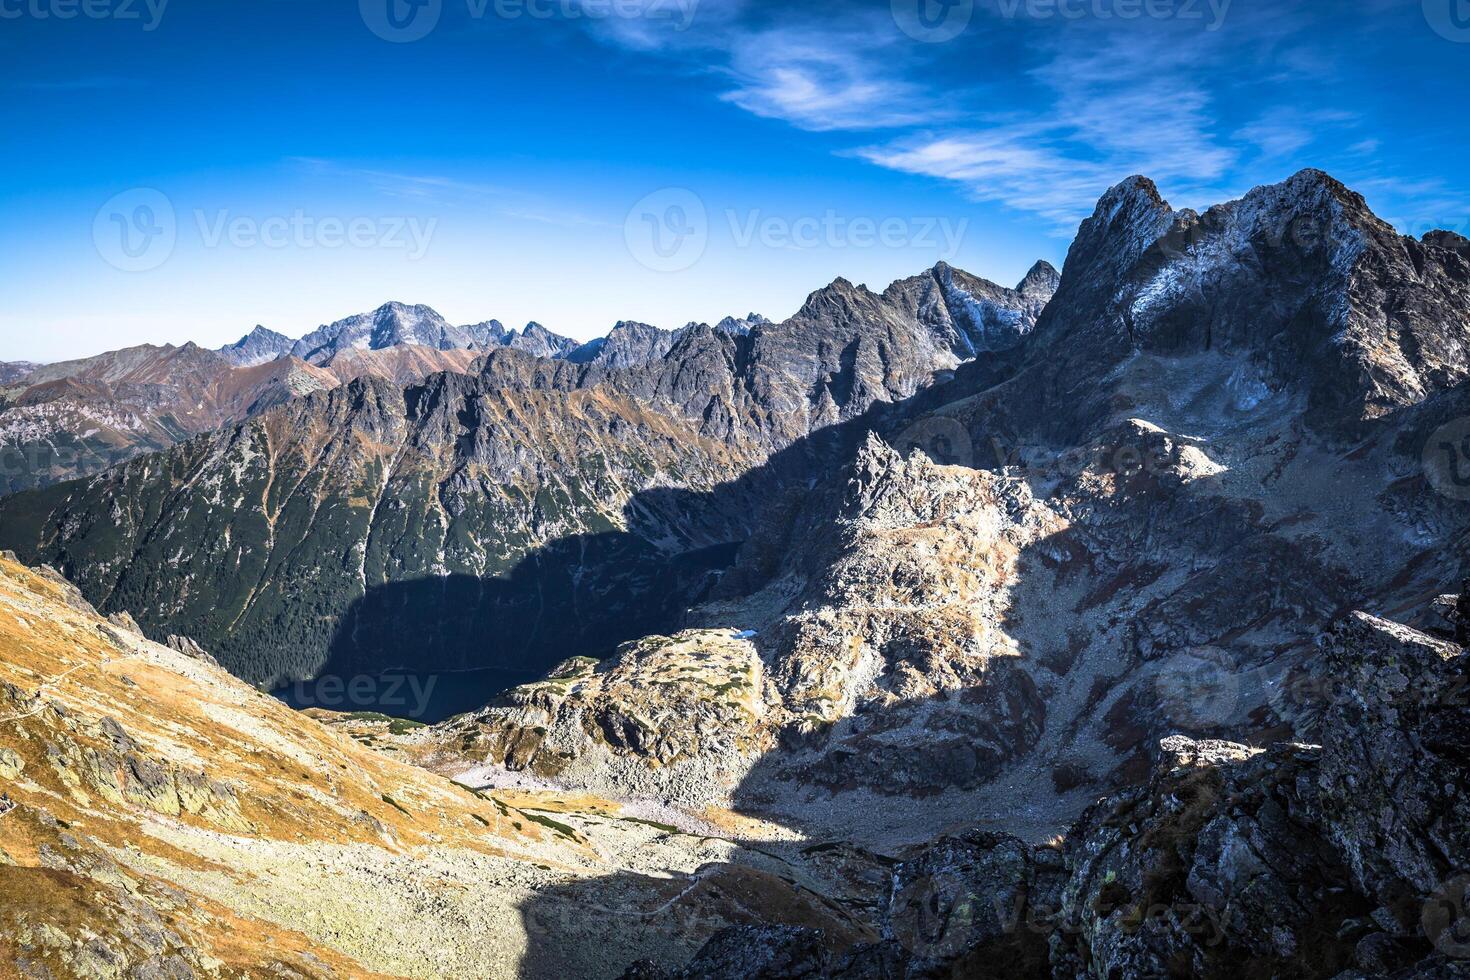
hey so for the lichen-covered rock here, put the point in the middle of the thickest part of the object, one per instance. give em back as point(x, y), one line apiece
point(756, 953)
point(189, 648)
point(1219, 864)
point(974, 904)
point(698, 697)
point(1395, 775)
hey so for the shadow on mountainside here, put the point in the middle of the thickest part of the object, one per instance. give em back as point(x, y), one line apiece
point(431, 648)
point(464, 639)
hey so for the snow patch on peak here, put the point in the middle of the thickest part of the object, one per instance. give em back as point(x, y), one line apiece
point(985, 325)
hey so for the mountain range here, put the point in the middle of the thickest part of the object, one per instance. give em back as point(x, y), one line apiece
point(1106, 626)
point(542, 503)
point(72, 419)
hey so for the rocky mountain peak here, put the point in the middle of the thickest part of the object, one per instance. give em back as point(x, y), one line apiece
point(1128, 218)
point(741, 325)
point(1449, 240)
point(257, 347)
point(628, 344)
point(1040, 281)
point(536, 339)
point(840, 297)
point(1299, 279)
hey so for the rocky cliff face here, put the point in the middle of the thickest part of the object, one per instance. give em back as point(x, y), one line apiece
point(1298, 280)
point(1291, 860)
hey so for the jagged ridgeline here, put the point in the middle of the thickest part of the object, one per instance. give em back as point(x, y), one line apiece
point(507, 518)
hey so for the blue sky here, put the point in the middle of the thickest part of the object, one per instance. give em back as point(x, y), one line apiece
point(576, 162)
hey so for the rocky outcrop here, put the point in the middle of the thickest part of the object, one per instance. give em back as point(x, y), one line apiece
point(1219, 864)
point(1396, 783)
point(1340, 860)
point(186, 646)
point(975, 905)
point(692, 706)
point(875, 661)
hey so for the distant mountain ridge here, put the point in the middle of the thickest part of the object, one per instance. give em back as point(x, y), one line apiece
point(79, 417)
point(399, 324)
point(12, 371)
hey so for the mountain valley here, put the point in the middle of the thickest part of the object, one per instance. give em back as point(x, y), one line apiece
point(1112, 625)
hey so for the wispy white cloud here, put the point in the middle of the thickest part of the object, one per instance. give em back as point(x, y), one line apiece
point(92, 83)
point(399, 184)
point(1131, 107)
point(1017, 166)
point(1103, 99)
point(444, 192)
point(821, 82)
point(1285, 130)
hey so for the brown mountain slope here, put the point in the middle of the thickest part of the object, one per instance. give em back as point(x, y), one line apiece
point(80, 417)
point(159, 818)
point(404, 364)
